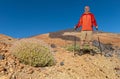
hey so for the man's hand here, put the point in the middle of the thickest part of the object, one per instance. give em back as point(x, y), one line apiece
point(97, 28)
point(75, 28)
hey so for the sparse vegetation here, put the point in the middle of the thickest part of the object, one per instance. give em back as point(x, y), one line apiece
point(86, 47)
point(33, 52)
point(72, 48)
point(76, 48)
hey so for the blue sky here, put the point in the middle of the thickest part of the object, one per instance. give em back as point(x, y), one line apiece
point(24, 18)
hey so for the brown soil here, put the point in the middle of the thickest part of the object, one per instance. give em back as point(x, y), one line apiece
point(67, 65)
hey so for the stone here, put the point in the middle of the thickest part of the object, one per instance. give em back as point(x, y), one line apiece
point(117, 52)
point(53, 45)
point(108, 55)
point(117, 68)
point(106, 49)
point(96, 44)
point(2, 57)
point(61, 63)
point(102, 46)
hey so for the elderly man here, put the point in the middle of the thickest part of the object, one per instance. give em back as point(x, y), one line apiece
point(87, 21)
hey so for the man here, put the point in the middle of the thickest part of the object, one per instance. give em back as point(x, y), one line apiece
point(87, 21)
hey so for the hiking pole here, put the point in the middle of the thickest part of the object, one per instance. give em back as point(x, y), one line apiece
point(99, 43)
point(74, 42)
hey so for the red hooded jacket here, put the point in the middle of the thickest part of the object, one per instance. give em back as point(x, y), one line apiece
point(87, 21)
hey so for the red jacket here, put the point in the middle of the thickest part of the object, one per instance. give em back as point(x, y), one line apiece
point(87, 21)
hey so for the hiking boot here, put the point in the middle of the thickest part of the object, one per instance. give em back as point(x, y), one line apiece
point(92, 52)
point(81, 52)
point(76, 53)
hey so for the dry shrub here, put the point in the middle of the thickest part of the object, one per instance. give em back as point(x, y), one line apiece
point(33, 52)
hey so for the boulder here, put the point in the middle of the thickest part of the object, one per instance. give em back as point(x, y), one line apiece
point(106, 49)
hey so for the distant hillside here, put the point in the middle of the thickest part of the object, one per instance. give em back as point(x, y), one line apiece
point(6, 39)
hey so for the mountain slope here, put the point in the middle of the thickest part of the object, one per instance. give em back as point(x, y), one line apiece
point(67, 65)
point(81, 67)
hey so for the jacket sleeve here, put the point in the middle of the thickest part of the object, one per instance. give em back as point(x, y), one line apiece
point(79, 22)
point(94, 21)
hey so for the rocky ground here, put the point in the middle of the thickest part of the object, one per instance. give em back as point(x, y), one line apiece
point(67, 65)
